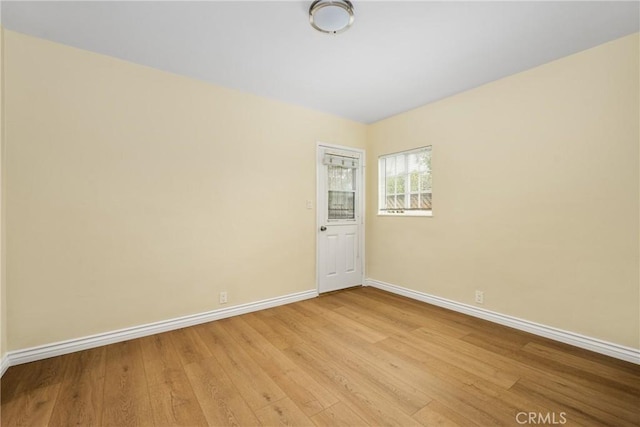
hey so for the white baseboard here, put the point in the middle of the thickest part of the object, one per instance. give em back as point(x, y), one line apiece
point(4, 365)
point(18, 357)
point(610, 349)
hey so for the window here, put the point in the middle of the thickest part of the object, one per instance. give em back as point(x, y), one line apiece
point(405, 183)
point(341, 186)
point(342, 192)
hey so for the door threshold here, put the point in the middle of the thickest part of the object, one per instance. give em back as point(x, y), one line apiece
point(350, 288)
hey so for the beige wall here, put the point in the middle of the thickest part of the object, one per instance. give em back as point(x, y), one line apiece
point(536, 193)
point(135, 195)
point(3, 298)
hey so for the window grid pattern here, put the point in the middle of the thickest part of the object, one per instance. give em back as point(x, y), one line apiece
point(406, 181)
point(342, 193)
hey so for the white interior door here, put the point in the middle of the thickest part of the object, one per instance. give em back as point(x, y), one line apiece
point(340, 219)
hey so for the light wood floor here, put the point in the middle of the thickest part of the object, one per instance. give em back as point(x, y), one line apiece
point(356, 357)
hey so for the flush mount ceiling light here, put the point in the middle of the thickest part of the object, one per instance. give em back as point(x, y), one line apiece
point(331, 16)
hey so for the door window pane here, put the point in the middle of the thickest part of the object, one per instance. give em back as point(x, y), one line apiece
point(341, 193)
point(341, 178)
point(342, 205)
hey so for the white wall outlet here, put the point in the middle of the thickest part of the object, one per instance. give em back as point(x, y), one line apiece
point(223, 297)
point(479, 297)
point(309, 204)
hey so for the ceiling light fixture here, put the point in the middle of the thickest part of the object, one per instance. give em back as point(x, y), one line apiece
point(331, 16)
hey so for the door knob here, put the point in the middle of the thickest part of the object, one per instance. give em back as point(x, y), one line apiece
point(323, 228)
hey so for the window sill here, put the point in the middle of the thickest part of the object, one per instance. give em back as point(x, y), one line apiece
point(408, 213)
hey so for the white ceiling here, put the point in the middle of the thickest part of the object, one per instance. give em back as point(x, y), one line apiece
point(397, 56)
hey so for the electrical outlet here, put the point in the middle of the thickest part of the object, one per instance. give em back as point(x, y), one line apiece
point(309, 204)
point(479, 297)
point(223, 297)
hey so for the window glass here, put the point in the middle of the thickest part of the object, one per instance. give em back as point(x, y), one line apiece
point(405, 183)
point(341, 195)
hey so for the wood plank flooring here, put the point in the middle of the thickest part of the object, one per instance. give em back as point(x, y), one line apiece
point(350, 358)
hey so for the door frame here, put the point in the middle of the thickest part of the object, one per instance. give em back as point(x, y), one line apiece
point(361, 204)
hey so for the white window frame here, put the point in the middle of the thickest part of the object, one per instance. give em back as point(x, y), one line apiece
point(382, 196)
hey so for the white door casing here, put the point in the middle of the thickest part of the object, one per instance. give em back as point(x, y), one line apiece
point(340, 240)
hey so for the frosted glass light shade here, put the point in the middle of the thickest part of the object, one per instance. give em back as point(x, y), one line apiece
point(331, 16)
